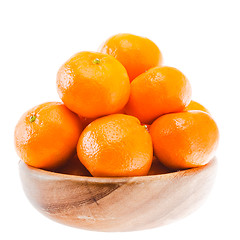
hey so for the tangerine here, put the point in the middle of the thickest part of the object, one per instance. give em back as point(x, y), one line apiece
point(193, 105)
point(137, 54)
point(46, 136)
point(93, 84)
point(158, 91)
point(116, 145)
point(184, 140)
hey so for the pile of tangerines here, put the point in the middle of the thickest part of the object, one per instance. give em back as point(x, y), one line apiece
point(120, 110)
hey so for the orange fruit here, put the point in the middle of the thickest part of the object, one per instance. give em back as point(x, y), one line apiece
point(85, 121)
point(184, 140)
point(93, 84)
point(115, 145)
point(73, 167)
point(46, 136)
point(157, 167)
point(158, 91)
point(137, 54)
point(193, 105)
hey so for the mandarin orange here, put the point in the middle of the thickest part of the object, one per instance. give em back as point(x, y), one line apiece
point(93, 84)
point(157, 167)
point(115, 145)
point(158, 91)
point(184, 140)
point(46, 136)
point(73, 167)
point(137, 54)
point(193, 105)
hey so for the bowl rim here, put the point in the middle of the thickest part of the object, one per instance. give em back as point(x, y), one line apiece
point(62, 176)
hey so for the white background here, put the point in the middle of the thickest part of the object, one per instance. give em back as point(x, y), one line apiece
point(200, 38)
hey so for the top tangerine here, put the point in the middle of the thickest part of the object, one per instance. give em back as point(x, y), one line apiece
point(137, 54)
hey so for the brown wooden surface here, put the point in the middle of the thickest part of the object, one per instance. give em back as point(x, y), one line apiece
point(117, 204)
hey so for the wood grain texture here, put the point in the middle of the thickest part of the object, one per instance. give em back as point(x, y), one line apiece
point(117, 204)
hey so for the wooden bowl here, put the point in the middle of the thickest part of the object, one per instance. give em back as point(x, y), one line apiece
point(117, 204)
